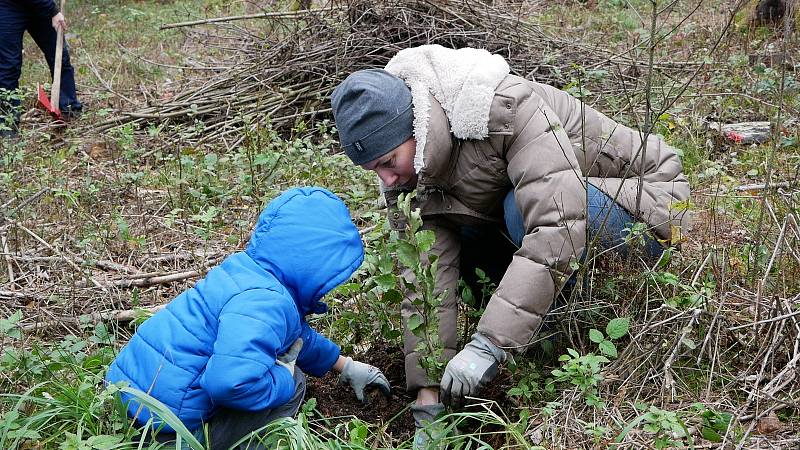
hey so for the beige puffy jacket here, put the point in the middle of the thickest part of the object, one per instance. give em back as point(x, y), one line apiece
point(480, 133)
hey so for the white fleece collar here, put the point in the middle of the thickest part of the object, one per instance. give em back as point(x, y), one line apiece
point(462, 81)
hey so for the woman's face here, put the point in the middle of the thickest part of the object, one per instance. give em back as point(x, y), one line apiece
point(396, 168)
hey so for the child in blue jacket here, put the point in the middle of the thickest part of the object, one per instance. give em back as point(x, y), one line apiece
point(224, 352)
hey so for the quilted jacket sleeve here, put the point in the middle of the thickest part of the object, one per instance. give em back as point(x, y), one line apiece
point(254, 327)
point(318, 354)
point(551, 196)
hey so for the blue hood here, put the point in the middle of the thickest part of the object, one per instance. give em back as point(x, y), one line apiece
point(306, 239)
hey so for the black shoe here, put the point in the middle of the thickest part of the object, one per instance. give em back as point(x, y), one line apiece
point(71, 113)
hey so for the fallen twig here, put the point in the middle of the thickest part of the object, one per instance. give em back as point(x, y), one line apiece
point(272, 15)
point(126, 315)
point(762, 186)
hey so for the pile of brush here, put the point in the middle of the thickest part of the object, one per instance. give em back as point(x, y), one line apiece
point(281, 67)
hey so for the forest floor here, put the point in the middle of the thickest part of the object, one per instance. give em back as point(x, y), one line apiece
point(112, 214)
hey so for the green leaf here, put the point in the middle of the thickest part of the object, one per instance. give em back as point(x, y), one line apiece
point(466, 295)
point(414, 322)
point(392, 297)
point(710, 434)
point(386, 265)
point(386, 281)
point(358, 431)
point(667, 278)
point(104, 441)
point(596, 336)
point(9, 327)
point(607, 348)
point(424, 239)
point(618, 327)
point(515, 391)
point(407, 255)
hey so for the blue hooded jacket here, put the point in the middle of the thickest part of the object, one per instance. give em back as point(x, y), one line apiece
point(216, 343)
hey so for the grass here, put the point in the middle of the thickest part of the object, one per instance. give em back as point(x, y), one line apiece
point(78, 199)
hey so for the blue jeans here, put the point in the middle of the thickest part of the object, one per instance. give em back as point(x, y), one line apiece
point(600, 208)
point(491, 249)
point(14, 21)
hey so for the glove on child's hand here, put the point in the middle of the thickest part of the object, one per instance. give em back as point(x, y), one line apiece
point(361, 376)
point(288, 359)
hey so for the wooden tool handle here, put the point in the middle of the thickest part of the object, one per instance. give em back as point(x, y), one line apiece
point(56, 90)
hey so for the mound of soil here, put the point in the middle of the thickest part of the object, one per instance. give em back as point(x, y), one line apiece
point(340, 404)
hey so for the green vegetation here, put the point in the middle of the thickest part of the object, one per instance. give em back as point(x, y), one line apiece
point(424, 322)
point(695, 349)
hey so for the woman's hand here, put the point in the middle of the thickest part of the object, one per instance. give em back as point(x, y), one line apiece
point(59, 21)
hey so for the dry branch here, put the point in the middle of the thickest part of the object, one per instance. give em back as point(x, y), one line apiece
point(264, 15)
point(126, 315)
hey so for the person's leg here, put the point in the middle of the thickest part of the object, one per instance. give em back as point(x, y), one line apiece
point(513, 219)
point(12, 27)
point(45, 36)
point(228, 426)
point(487, 248)
point(607, 223)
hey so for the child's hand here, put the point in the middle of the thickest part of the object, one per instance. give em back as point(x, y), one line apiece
point(290, 357)
point(361, 376)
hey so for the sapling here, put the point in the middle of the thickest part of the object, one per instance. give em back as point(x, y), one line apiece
point(413, 252)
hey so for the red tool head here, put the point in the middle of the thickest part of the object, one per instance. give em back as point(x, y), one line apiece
point(45, 102)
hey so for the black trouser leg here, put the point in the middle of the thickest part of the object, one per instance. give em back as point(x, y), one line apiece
point(12, 28)
point(228, 426)
point(45, 36)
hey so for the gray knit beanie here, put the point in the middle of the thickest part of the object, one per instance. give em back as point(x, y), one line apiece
point(373, 114)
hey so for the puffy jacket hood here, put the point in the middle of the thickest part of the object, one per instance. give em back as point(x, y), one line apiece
point(306, 239)
point(463, 81)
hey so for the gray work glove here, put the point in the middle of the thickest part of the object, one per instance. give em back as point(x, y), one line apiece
point(361, 376)
point(428, 432)
point(290, 357)
point(470, 370)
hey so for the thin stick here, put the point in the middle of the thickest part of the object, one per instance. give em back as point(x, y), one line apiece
point(669, 381)
point(6, 253)
point(274, 15)
point(772, 319)
point(762, 285)
point(152, 281)
point(762, 186)
point(26, 202)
